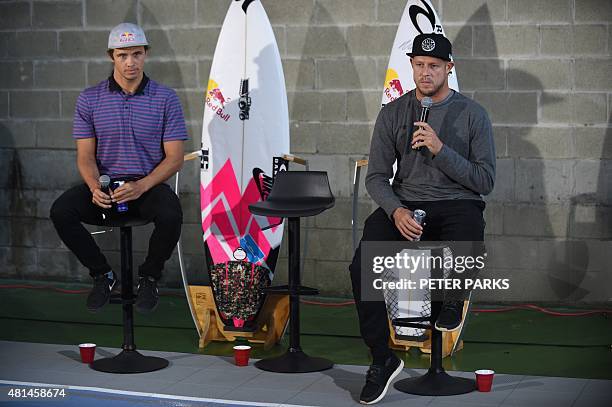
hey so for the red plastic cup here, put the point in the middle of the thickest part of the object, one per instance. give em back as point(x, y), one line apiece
point(241, 355)
point(484, 379)
point(88, 350)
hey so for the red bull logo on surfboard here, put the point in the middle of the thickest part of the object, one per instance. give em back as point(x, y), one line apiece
point(215, 100)
point(393, 86)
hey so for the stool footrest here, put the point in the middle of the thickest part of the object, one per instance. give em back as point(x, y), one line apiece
point(284, 289)
point(412, 322)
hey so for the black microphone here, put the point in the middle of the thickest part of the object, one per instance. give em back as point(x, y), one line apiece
point(104, 181)
point(426, 103)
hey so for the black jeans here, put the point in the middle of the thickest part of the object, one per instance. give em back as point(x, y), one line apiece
point(452, 220)
point(159, 205)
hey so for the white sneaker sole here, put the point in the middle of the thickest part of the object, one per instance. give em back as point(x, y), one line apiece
point(393, 376)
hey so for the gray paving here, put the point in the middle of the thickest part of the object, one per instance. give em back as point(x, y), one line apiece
point(216, 377)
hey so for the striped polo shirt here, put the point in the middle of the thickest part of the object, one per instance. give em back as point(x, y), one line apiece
point(130, 129)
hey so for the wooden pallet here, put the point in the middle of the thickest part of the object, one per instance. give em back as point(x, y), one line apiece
point(269, 326)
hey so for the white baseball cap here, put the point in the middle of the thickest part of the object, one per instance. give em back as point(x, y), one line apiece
point(126, 35)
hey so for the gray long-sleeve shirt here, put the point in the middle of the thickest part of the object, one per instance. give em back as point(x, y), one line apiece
point(464, 168)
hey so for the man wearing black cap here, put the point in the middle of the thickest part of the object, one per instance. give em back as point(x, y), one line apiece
point(444, 167)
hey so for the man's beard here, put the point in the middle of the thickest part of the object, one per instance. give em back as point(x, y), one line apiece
point(432, 92)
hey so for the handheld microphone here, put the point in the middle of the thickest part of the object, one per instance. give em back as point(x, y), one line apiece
point(104, 181)
point(426, 103)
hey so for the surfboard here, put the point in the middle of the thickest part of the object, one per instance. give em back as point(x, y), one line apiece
point(419, 17)
point(245, 133)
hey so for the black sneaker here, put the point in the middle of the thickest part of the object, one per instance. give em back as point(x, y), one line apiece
point(451, 316)
point(100, 292)
point(147, 295)
point(378, 379)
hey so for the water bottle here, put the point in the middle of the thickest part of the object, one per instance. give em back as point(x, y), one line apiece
point(121, 207)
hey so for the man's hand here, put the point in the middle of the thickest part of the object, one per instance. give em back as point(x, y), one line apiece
point(100, 198)
point(407, 226)
point(129, 191)
point(426, 136)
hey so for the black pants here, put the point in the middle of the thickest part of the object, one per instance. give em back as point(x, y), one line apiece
point(158, 205)
point(453, 220)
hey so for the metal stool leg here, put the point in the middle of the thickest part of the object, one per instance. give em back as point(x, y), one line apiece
point(129, 360)
point(294, 360)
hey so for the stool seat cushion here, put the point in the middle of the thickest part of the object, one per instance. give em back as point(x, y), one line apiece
point(290, 208)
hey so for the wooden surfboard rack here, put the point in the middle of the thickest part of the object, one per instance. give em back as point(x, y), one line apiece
point(268, 328)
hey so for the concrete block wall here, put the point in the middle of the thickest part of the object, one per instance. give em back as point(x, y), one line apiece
point(540, 67)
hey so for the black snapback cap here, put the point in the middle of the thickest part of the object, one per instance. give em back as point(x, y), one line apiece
point(431, 45)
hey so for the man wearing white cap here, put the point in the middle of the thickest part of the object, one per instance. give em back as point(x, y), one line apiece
point(132, 129)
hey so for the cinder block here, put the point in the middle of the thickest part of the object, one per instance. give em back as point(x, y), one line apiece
point(333, 279)
point(46, 236)
point(503, 253)
point(4, 104)
point(481, 74)
point(34, 104)
point(21, 204)
point(5, 232)
point(344, 11)
point(57, 14)
point(593, 10)
point(23, 232)
point(315, 41)
point(44, 199)
point(4, 41)
point(536, 220)
point(54, 134)
point(7, 165)
point(190, 202)
point(32, 44)
point(503, 40)
point(68, 100)
point(541, 142)
point(175, 74)
point(363, 106)
point(461, 38)
point(590, 40)
point(347, 73)
point(296, 12)
point(593, 74)
point(341, 215)
point(592, 222)
point(304, 106)
point(510, 107)
point(500, 137)
point(83, 44)
point(99, 71)
point(556, 40)
point(191, 238)
point(539, 74)
point(183, 42)
point(369, 40)
point(503, 190)
point(60, 264)
point(109, 13)
point(193, 104)
point(337, 167)
point(53, 75)
point(156, 13)
point(390, 11)
point(16, 75)
point(281, 39)
point(329, 244)
point(14, 15)
point(493, 215)
point(333, 106)
point(17, 134)
point(539, 180)
point(48, 169)
point(204, 73)
point(540, 11)
point(473, 11)
point(304, 137)
point(593, 142)
point(344, 139)
point(577, 108)
point(592, 181)
point(299, 73)
point(212, 12)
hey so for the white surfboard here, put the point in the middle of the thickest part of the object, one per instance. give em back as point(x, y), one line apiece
point(245, 125)
point(419, 17)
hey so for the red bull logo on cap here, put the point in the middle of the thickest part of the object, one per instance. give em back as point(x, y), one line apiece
point(215, 100)
point(393, 86)
point(126, 37)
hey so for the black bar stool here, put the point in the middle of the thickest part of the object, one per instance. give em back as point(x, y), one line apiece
point(295, 194)
point(129, 360)
point(436, 382)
